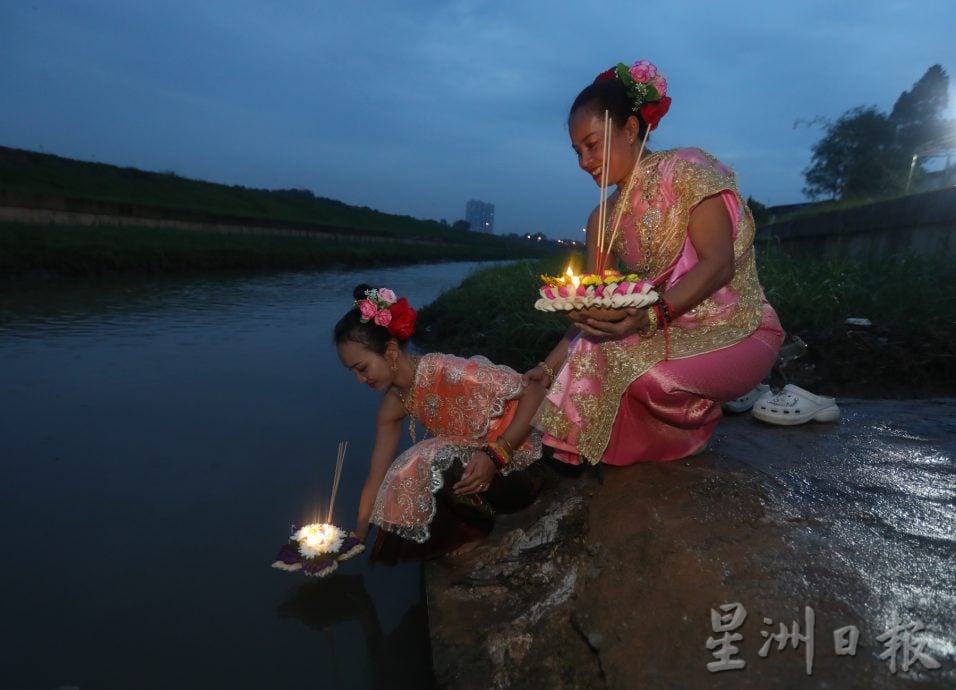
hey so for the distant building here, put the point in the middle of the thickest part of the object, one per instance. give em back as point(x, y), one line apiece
point(480, 216)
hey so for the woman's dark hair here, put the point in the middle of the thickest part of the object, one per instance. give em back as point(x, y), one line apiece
point(610, 95)
point(351, 329)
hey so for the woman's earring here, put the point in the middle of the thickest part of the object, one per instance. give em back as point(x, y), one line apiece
point(393, 365)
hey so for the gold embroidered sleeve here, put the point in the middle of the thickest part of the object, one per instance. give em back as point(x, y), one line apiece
point(693, 182)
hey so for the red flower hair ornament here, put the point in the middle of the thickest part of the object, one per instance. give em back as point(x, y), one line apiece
point(403, 319)
point(646, 87)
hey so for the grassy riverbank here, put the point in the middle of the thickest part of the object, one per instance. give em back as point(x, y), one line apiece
point(909, 351)
point(81, 252)
point(31, 172)
point(132, 212)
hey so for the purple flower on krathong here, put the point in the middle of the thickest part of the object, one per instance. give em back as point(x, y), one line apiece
point(288, 554)
point(320, 567)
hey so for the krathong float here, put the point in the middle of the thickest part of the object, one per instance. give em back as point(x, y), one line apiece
point(601, 296)
point(317, 548)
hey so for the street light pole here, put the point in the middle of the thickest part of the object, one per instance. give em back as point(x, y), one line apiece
point(909, 178)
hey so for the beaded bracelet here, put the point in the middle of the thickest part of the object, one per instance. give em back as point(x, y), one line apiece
point(664, 309)
point(662, 312)
point(499, 456)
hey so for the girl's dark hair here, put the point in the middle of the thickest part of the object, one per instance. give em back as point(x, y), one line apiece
point(351, 329)
point(610, 95)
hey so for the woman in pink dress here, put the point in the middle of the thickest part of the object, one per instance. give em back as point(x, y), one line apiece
point(648, 387)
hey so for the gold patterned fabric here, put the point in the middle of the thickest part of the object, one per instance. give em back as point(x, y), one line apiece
point(653, 242)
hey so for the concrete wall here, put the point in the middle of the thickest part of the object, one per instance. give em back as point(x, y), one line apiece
point(923, 224)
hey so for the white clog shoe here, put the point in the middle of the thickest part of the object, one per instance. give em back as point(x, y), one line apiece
point(793, 405)
point(745, 402)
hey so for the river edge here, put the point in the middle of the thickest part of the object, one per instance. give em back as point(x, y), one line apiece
point(853, 520)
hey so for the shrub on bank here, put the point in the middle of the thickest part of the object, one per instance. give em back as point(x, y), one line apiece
point(491, 313)
point(910, 349)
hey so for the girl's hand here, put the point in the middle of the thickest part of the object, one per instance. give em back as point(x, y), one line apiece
point(477, 475)
point(536, 375)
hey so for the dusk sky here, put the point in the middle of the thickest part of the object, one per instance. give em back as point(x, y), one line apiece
point(415, 106)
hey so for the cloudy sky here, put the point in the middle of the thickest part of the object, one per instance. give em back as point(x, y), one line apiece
point(416, 106)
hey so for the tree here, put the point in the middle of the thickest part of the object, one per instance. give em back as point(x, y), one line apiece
point(866, 153)
point(759, 212)
point(917, 113)
point(857, 158)
point(461, 225)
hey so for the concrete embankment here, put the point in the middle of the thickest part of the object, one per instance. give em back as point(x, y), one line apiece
point(615, 578)
point(921, 224)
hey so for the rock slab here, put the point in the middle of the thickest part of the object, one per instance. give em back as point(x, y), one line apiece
point(761, 563)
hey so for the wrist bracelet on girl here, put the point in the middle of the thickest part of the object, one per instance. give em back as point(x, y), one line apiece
point(547, 370)
point(499, 456)
point(499, 448)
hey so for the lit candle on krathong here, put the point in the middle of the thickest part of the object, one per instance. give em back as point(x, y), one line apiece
point(318, 539)
point(575, 280)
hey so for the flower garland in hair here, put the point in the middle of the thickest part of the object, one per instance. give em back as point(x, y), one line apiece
point(646, 87)
point(394, 314)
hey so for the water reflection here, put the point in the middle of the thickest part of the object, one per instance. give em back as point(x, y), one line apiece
point(158, 438)
point(44, 310)
point(398, 659)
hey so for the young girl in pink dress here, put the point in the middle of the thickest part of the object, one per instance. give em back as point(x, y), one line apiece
point(441, 494)
point(648, 387)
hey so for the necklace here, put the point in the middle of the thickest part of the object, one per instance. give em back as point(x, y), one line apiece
point(622, 207)
point(645, 226)
point(408, 401)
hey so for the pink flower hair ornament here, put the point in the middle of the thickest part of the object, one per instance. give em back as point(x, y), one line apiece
point(381, 307)
point(646, 86)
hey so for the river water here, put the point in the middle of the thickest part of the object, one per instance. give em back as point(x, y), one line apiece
point(157, 440)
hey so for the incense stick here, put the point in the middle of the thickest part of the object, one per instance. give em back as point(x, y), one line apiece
point(623, 200)
point(339, 461)
point(602, 205)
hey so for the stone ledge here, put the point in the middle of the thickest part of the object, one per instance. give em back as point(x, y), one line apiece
point(609, 579)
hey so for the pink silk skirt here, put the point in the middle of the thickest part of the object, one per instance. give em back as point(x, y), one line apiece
point(672, 410)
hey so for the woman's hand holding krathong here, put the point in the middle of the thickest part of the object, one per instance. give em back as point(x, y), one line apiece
point(633, 321)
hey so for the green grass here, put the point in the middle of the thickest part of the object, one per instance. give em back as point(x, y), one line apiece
point(904, 291)
point(82, 252)
point(36, 173)
point(491, 313)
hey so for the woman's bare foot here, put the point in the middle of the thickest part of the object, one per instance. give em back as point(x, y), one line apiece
point(464, 548)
